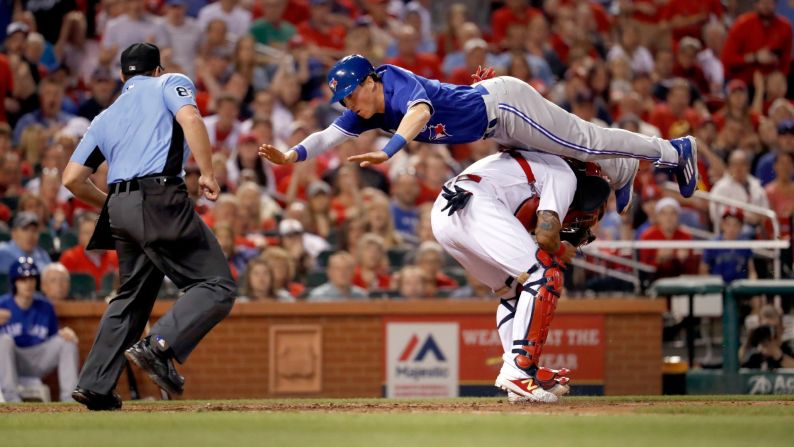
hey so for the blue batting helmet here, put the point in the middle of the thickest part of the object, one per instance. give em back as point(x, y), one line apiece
point(24, 267)
point(347, 74)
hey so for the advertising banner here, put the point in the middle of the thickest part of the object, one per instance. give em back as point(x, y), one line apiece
point(422, 359)
point(575, 342)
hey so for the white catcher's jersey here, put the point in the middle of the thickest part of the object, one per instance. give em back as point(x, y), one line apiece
point(554, 180)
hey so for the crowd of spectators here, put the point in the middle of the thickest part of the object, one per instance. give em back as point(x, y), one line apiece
point(325, 229)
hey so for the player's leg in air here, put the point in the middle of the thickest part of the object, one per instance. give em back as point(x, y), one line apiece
point(524, 118)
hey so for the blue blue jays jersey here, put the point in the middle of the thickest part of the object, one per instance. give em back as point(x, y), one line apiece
point(31, 326)
point(458, 111)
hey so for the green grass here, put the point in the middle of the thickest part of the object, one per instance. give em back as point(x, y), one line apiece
point(665, 421)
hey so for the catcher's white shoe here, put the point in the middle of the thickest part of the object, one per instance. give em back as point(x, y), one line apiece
point(524, 390)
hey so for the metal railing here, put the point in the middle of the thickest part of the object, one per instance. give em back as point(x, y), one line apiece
point(769, 248)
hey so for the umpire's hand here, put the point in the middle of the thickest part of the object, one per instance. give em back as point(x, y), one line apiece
point(209, 186)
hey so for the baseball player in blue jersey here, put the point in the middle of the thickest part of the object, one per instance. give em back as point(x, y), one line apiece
point(504, 108)
point(147, 216)
point(31, 344)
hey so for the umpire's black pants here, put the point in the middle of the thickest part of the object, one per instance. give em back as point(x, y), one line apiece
point(157, 232)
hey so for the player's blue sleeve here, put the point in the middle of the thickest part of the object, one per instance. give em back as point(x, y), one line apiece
point(52, 319)
point(88, 152)
point(351, 124)
point(178, 91)
point(406, 90)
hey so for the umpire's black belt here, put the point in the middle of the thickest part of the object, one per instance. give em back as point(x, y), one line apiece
point(135, 184)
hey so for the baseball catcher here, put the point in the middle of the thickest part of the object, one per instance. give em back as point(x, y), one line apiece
point(486, 218)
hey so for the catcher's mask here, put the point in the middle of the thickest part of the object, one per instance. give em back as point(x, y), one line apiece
point(587, 208)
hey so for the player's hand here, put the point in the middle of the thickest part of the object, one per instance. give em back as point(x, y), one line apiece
point(273, 155)
point(209, 187)
point(370, 158)
point(68, 334)
point(5, 315)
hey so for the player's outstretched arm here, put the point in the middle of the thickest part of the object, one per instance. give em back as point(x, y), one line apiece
point(311, 146)
point(412, 123)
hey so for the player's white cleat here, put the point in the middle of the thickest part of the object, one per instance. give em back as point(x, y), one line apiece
point(524, 390)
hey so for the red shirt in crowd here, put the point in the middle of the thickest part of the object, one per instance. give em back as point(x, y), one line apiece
point(76, 260)
point(382, 280)
point(502, 18)
point(600, 15)
point(688, 9)
point(748, 35)
point(562, 48)
point(426, 65)
point(461, 76)
point(427, 194)
point(297, 11)
point(693, 74)
point(672, 126)
point(754, 119)
point(333, 37)
point(445, 282)
point(6, 85)
point(648, 17)
point(783, 204)
point(674, 266)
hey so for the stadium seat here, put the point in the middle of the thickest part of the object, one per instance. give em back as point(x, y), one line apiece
point(4, 286)
point(46, 241)
point(322, 258)
point(12, 202)
point(106, 286)
point(316, 278)
point(68, 240)
point(396, 258)
point(5, 236)
point(83, 286)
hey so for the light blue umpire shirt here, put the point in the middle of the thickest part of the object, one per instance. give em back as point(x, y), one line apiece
point(138, 134)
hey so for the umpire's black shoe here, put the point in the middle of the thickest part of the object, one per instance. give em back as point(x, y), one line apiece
point(97, 402)
point(156, 363)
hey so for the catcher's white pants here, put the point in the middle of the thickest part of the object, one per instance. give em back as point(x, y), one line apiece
point(492, 245)
point(519, 116)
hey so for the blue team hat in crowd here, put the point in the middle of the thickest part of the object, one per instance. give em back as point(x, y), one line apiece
point(347, 74)
point(785, 127)
point(24, 267)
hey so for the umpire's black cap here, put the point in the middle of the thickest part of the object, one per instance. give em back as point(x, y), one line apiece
point(140, 58)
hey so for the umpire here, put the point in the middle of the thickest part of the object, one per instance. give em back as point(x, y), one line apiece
point(149, 219)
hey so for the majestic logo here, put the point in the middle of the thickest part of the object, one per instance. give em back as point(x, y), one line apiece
point(438, 131)
point(429, 346)
point(332, 84)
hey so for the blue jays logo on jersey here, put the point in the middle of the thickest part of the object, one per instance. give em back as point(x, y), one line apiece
point(332, 84)
point(438, 131)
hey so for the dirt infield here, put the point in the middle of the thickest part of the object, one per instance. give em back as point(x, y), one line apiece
point(569, 406)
